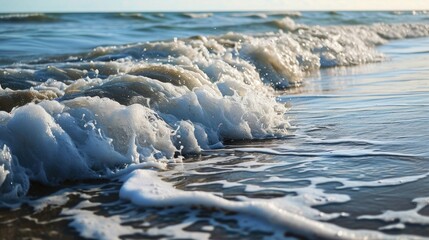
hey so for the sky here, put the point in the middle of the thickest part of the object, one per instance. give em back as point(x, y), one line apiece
point(205, 5)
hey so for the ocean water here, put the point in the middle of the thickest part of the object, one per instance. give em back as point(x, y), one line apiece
point(285, 125)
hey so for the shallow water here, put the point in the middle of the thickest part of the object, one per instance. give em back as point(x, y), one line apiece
point(181, 139)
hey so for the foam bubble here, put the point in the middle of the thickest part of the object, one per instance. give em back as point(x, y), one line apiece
point(90, 225)
point(14, 182)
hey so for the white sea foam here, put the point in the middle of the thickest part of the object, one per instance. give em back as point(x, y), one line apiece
point(88, 136)
point(411, 216)
point(346, 183)
point(14, 183)
point(90, 225)
point(144, 188)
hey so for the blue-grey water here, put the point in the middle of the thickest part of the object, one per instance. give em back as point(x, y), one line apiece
point(214, 125)
point(30, 36)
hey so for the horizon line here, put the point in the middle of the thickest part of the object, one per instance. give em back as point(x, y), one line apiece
point(220, 11)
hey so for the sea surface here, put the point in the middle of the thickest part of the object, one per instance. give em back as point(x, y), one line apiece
point(235, 125)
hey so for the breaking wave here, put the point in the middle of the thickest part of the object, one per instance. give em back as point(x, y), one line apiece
point(25, 18)
point(89, 115)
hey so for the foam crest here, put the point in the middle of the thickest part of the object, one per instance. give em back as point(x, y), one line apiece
point(82, 138)
point(87, 136)
point(279, 59)
point(50, 153)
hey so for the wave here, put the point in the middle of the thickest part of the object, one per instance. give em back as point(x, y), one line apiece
point(415, 12)
point(30, 17)
point(136, 16)
point(197, 15)
point(93, 114)
point(150, 17)
point(267, 14)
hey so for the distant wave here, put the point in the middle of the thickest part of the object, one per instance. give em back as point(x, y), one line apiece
point(250, 15)
point(197, 15)
point(136, 16)
point(286, 14)
point(267, 14)
point(30, 17)
point(422, 12)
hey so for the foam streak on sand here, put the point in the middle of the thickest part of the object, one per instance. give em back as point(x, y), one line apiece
point(144, 188)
